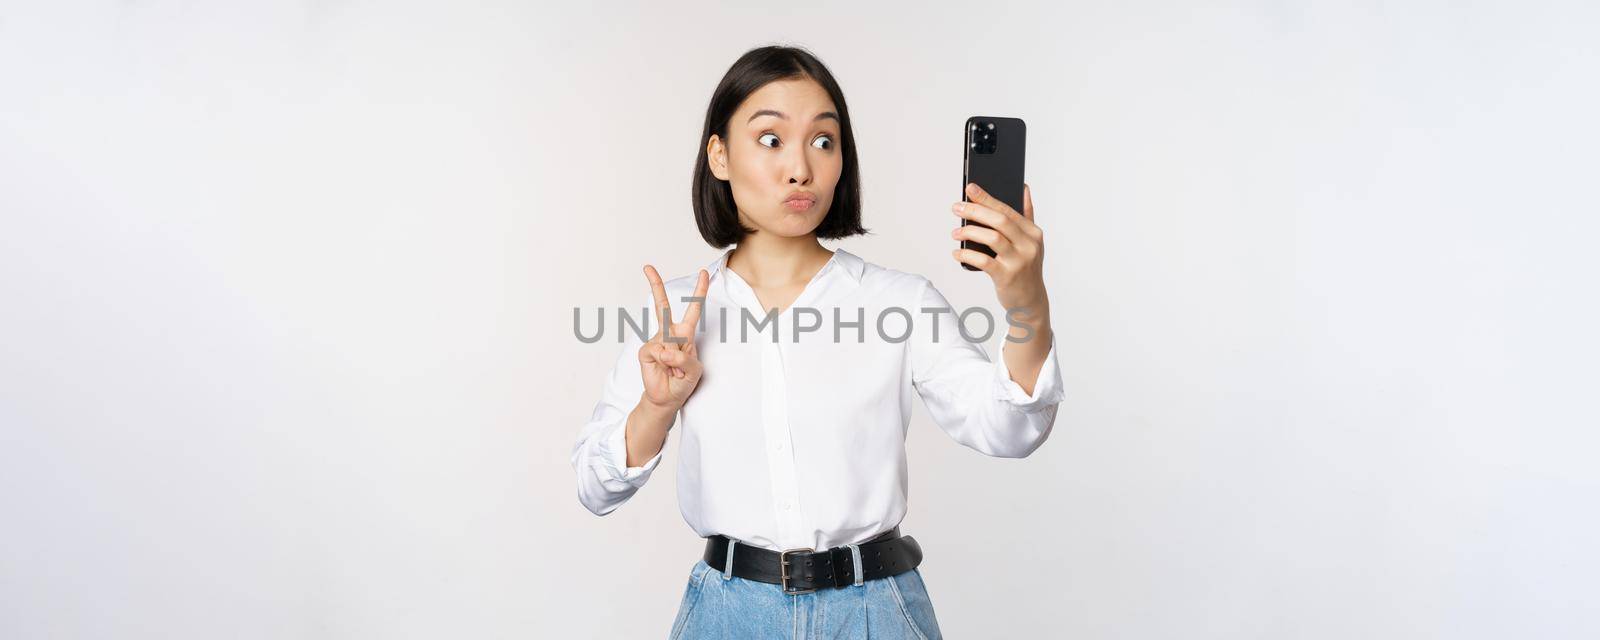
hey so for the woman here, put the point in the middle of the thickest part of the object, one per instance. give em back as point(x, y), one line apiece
point(792, 450)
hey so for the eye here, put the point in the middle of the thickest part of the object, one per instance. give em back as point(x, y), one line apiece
point(823, 142)
point(763, 139)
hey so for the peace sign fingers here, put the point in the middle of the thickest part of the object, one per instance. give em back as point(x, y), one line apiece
point(676, 333)
point(663, 306)
point(691, 318)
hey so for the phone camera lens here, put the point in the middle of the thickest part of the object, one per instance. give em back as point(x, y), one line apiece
point(984, 137)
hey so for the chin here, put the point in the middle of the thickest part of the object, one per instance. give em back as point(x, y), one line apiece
point(784, 231)
point(792, 225)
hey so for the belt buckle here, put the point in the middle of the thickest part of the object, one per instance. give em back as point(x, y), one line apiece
point(783, 571)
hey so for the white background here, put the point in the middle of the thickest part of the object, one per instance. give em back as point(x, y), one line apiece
point(286, 297)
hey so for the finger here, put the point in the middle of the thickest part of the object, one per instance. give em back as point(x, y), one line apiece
point(691, 317)
point(663, 307)
point(984, 235)
point(978, 195)
point(1006, 225)
point(1024, 223)
point(682, 361)
point(675, 371)
point(1030, 226)
point(977, 259)
point(657, 354)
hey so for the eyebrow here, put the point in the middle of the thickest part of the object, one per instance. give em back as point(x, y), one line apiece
point(769, 112)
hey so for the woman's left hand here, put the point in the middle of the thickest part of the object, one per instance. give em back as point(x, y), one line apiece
point(1018, 265)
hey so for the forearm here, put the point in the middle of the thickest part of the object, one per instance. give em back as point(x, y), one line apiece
point(1025, 359)
point(646, 430)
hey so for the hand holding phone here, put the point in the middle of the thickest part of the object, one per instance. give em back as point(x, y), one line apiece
point(993, 157)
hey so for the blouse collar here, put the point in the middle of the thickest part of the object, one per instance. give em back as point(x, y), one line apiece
point(850, 263)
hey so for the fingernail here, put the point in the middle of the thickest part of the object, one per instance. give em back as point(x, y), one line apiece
point(972, 187)
point(957, 207)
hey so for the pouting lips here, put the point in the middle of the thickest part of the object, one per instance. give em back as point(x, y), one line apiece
point(799, 202)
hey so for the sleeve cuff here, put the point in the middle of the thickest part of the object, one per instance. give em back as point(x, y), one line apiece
point(616, 457)
point(1047, 389)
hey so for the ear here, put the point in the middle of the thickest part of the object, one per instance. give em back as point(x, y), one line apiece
point(717, 157)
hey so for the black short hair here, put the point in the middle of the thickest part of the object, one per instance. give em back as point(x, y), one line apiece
point(714, 209)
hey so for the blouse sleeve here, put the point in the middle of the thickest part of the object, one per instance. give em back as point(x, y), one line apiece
point(973, 398)
point(600, 457)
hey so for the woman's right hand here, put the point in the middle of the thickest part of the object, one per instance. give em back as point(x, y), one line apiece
point(671, 368)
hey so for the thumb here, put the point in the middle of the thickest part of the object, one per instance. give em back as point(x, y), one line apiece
point(650, 353)
point(673, 357)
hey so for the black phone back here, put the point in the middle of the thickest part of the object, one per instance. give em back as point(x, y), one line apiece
point(994, 151)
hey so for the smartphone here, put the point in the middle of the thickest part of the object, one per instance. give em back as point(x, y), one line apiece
point(992, 157)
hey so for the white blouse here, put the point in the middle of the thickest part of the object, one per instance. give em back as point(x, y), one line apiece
point(800, 442)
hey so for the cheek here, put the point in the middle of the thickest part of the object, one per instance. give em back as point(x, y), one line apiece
point(751, 168)
point(829, 170)
point(749, 182)
point(835, 165)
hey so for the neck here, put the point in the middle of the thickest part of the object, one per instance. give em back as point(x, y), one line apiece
point(766, 260)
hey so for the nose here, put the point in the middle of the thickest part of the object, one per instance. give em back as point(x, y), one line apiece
point(799, 166)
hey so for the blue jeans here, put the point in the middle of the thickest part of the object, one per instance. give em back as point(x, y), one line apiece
point(719, 606)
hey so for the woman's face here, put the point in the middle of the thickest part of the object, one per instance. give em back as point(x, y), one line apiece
point(782, 157)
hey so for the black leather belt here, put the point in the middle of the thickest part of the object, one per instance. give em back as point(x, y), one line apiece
point(806, 570)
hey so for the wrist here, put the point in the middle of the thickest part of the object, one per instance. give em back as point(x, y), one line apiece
point(1033, 298)
point(1033, 311)
point(655, 410)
